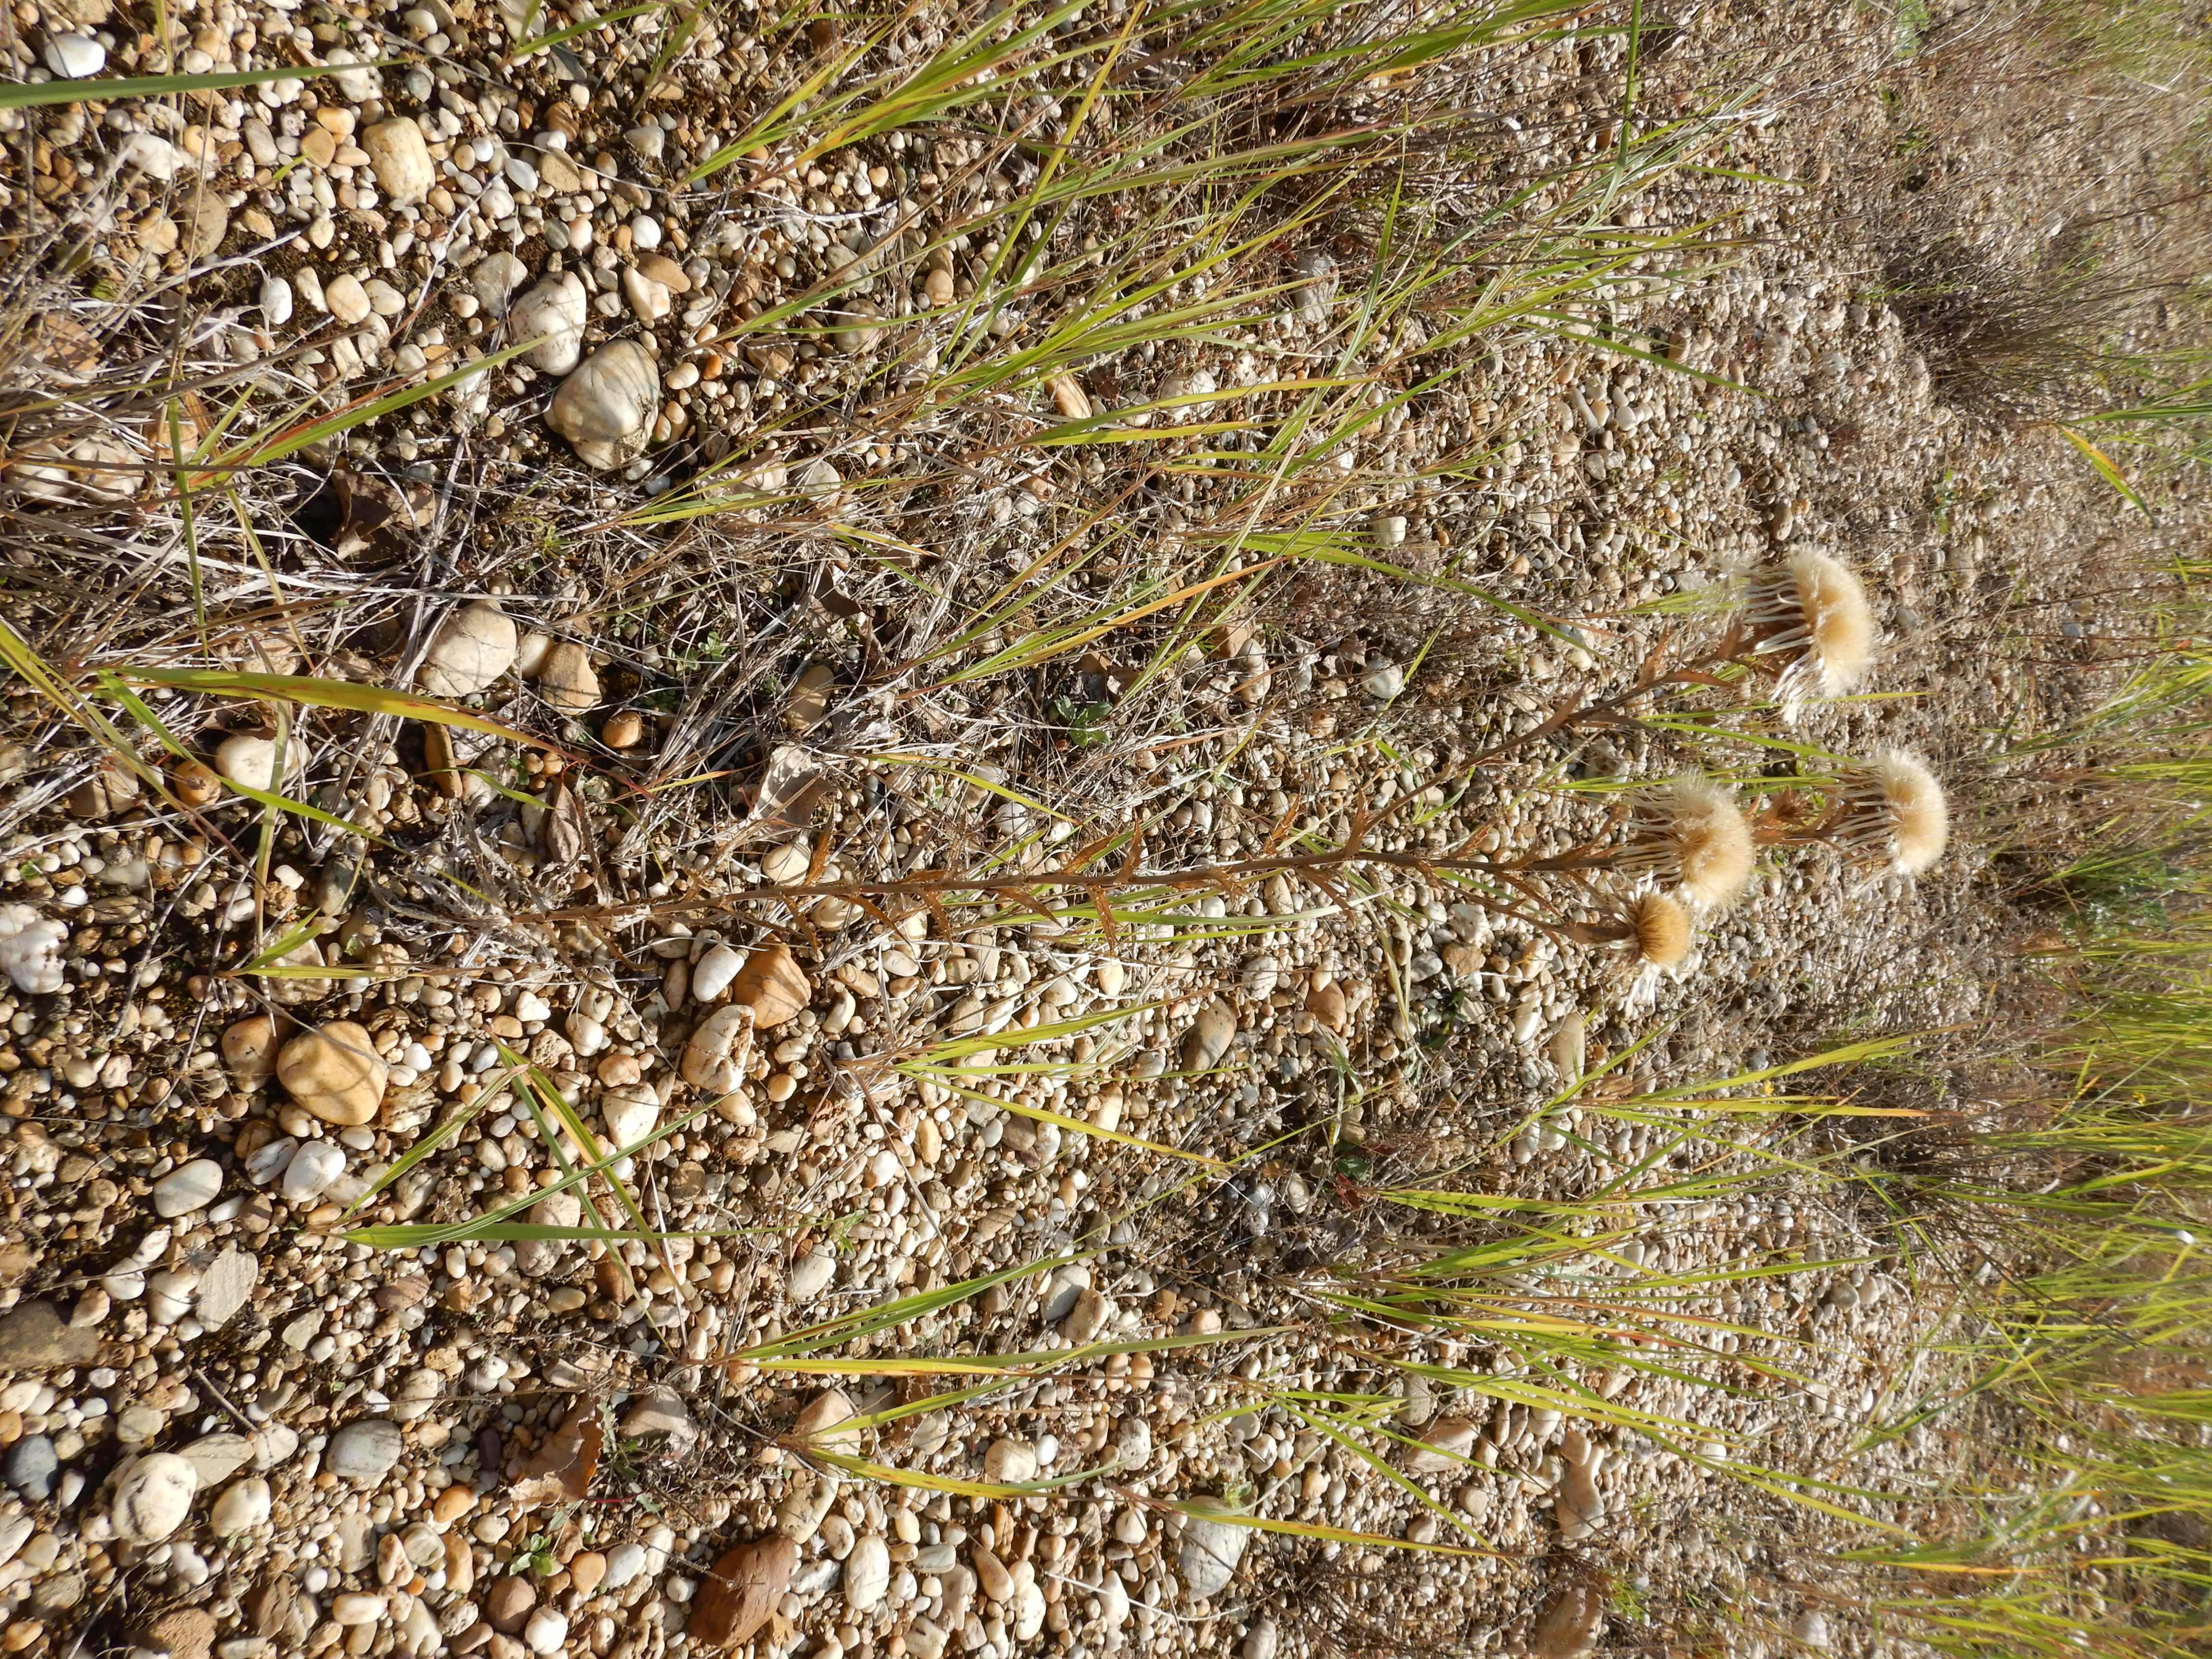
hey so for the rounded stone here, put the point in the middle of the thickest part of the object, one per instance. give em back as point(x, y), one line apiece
point(868, 1574)
point(552, 314)
point(1208, 1555)
point(192, 1187)
point(73, 57)
point(249, 1050)
point(250, 760)
point(365, 1450)
point(470, 650)
point(401, 156)
point(605, 408)
point(566, 678)
point(152, 1496)
point(241, 1508)
point(335, 1073)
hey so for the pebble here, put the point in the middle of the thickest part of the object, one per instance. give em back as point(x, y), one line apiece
point(217, 1456)
point(1571, 1624)
point(715, 1056)
point(191, 1187)
point(314, 1165)
point(365, 1450)
point(624, 1562)
point(493, 281)
point(335, 1073)
point(249, 1051)
point(712, 974)
point(31, 950)
point(241, 1509)
point(1209, 1038)
point(250, 761)
point(811, 1275)
point(566, 678)
point(471, 649)
point(33, 1336)
point(1382, 681)
point(1208, 1554)
point(401, 158)
point(819, 1422)
point(605, 408)
point(348, 301)
point(739, 1592)
point(547, 1629)
point(773, 985)
point(152, 1496)
point(662, 1413)
point(1010, 1462)
point(31, 1465)
point(1567, 1047)
point(276, 302)
point(73, 57)
point(226, 1286)
point(868, 1574)
point(553, 313)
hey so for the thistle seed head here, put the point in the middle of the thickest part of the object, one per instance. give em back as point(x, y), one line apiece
point(1894, 811)
point(1691, 836)
point(1663, 931)
point(1813, 610)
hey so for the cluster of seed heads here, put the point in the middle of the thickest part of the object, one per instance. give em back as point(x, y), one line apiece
point(1690, 848)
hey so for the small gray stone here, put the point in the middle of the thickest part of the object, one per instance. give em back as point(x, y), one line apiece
point(365, 1450)
point(31, 1466)
point(226, 1286)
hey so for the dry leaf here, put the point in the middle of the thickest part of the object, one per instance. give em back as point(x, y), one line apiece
point(560, 1470)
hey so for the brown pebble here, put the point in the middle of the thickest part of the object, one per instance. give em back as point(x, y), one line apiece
point(508, 1603)
point(452, 1504)
point(746, 1582)
point(587, 1571)
point(623, 730)
point(194, 782)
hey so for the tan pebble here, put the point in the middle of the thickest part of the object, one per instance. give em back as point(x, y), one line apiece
point(567, 680)
point(452, 1504)
point(585, 1570)
point(249, 1050)
point(335, 1073)
point(771, 984)
point(194, 782)
point(623, 730)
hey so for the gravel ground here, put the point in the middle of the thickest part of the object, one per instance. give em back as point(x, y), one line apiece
point(228, 1429)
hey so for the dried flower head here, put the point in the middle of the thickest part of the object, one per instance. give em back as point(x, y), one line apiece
point(1813, 610)
point(1893, 812)
point(1689, 836)
point(1663, 931)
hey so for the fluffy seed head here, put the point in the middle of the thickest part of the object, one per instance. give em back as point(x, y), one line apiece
point(1694, 837)
point(1813, 609)
point(1663, 930)
point(1898, 807)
